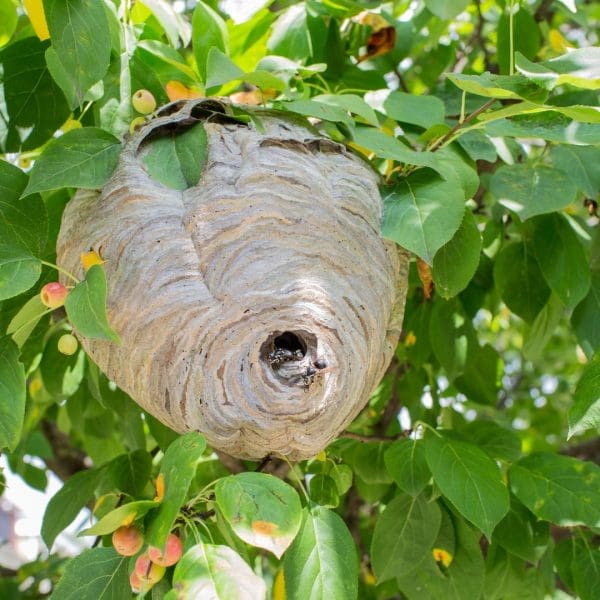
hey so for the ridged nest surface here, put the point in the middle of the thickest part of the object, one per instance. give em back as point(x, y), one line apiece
point(261, 306)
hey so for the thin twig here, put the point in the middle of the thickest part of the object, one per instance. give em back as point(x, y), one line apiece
point(442, 141)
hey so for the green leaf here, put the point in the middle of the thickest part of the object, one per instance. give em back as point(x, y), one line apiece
point(131, 472)
point(86, 306)
point(586, 569)
point(406, 463)
point(561, 258)
point(66, 504)
point(261, 509)
point(585, 318)
point(178, 469)
point(404, 535)
point(446, 10)
point(423, 111)
point(547, 125)
point(220, 69)
point(581, 164)
point(559, 489)
point(448, 337)
point(462, 580)
point(585, 412)
point(217, 572)
point(290, 36)
point(321, 564)
point(25, 321)
point(519, 281)
point(96, 574)
point(120, 517)
point(320, 110)
point(8, 20)
point(521, 534)
point(12, 394)
point(498, 86)
point(173, 23)
point(323, 491)
point(543, 328)
point(579, 68)
point(386, 146)
point(481, 374)
point(342, 475)
point(422, 212)
point(469, 479)
point(530, 191)
point(83, 158)
point(208, 31)
point(177, 159)
point(351, 103)
point(18, 271)
point(35, 105)
point(478, 146)
point(526, 36)
point(23, 233)
point(497, 441)
point(456, 261)
point(81, 39)
point(369, 462)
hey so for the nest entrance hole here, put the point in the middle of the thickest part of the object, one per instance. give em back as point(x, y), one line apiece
point(290, 342)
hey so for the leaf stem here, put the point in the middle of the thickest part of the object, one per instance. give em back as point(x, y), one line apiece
point(511, 41)
point(60, 270)
point(297, 479)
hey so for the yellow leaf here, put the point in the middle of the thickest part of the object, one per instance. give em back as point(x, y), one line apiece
point(35, 11)
point(89, 259)
point(557, 41)
point(177, 91)
point(129, 519)
point(160, 488)
point(322, 456)
point(410, 339)
point(279, 586)
point(443, 556)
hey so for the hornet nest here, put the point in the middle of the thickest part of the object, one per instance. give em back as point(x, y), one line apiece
point(259, 307)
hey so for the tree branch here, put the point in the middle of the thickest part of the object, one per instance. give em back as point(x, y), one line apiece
point(67, 459)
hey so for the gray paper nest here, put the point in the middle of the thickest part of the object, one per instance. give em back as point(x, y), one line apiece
point(260, 307)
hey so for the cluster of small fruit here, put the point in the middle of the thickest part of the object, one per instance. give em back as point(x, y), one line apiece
point(151, 565)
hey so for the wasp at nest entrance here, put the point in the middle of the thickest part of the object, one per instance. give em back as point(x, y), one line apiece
point(292, 357)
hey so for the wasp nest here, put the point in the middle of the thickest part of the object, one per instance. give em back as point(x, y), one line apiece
point(261, 306)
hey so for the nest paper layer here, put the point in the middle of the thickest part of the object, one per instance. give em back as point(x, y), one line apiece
point(276, 251)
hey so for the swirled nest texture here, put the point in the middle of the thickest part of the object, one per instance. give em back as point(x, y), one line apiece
point(261, 306)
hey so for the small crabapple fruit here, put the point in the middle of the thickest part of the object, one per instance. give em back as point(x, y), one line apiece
point(173, 552)
point(144, 102)
point(136, 124)
point(67, 344)
point(127, 540)
point(138, 584)
point(53, 295)
point(147, 570)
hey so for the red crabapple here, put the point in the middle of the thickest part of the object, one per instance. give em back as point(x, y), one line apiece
point(127, 540)
point(54, 294)
point(173, 552)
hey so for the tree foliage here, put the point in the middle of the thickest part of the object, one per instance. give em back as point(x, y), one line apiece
point(473, 471)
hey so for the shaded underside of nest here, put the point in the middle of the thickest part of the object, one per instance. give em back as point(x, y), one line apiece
point(260, 306)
